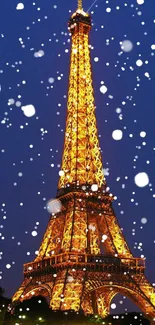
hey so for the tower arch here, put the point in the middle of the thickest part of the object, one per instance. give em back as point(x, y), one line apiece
point(44, 290)
point(102, 295)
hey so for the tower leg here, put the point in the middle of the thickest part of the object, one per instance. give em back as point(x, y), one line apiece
point(101, 299)
point(30, 288)
point(18, 295)
point(147, 296)
point(87, 304)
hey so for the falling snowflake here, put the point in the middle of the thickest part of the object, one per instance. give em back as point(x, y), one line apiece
point(140, 2)
point(34, 233)
point(113, 306)
point(103, 89)
point(28, 110)
point(141, 179)
point(139, 63)
point(54, 206)
point(126, 46)
point(39, 54)
point(106, 171)
point(142, 134)
point(94, 187)
point(104, 237)
point(117, 135)
point(51, 80)
point(143, 220)
point(20, 6)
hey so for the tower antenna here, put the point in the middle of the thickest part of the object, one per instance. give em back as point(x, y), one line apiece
point(80, 4)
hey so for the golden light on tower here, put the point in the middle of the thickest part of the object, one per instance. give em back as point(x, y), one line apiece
point(82, 162)
point(84, 259)
point(80, 4)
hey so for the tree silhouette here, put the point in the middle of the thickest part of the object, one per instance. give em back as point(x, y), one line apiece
point(1, 292)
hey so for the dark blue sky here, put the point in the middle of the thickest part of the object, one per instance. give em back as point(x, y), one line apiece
point(30, 145)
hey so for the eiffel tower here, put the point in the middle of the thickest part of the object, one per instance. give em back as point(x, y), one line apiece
point(84, 259)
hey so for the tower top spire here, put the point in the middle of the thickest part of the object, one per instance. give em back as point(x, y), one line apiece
point(80, 4)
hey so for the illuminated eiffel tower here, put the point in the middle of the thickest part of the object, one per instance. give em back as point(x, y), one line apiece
point(84, 260)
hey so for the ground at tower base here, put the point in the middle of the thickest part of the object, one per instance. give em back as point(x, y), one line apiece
point(36, 311)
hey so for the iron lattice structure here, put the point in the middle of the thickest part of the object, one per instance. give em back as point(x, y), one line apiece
point(84, 260)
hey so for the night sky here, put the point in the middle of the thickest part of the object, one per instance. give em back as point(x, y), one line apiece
point(34, 68)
